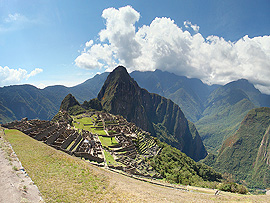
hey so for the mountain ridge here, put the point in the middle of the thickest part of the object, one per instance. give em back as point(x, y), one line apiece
point(214, 123)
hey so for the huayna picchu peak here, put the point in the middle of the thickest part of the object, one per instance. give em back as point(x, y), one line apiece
point(121, 95)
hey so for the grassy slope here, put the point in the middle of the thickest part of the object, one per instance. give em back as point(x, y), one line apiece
point(60, 177)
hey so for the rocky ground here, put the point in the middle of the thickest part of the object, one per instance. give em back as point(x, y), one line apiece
point(15, 185)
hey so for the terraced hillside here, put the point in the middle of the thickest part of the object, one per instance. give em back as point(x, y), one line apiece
point(125, 145)
point(107, 140)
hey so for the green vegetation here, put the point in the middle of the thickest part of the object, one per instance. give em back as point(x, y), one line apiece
point(110, 160)
point(60, 177)
point(76, 110)
point(176, 167)
point(92, 104)
point(6, 115)
point(71, 105)
point(107, 141)
point(232, 187)
point(245, 154)
point(19, 101)
point(87, 123)
point(221, 120)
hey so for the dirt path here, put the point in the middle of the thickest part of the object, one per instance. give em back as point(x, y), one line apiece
point(15, 185)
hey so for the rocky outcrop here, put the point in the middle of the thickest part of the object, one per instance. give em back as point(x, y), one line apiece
point(121, 95)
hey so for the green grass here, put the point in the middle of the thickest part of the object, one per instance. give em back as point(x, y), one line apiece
point(87, 123)
point(60, 177)
point(110, 159)
point(106, 141)
point(74, 149)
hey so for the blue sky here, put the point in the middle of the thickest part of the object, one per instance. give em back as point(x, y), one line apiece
point(44, 42)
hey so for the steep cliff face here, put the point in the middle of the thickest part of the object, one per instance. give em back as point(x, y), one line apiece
point(120, 94)
point(246, 154)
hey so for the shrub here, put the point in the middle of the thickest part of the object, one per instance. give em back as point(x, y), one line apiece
point(232, 187)
point(242, 189)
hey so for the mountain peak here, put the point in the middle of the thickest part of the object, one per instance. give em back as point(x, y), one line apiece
point(243, 84)
point(118, 74)
point(120, 69)
point(121, 95)
point(68, 102)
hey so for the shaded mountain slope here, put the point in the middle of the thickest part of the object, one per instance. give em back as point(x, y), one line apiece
point(224, 110)
point(6, 115)
point(26, 101)
point(121, 95)
point(246, 154)
point(216, 110)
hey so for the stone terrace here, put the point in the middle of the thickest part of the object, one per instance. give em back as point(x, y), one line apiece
point(62, 137)
point(134, 145)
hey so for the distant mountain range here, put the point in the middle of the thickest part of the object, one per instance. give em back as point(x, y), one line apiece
point(217, 111)
point(19, 101)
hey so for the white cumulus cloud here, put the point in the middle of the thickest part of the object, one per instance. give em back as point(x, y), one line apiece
point(164, 45)
point(14, 76)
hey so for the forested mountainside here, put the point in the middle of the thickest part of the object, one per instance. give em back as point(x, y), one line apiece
point(246, 154)
point(216, 110)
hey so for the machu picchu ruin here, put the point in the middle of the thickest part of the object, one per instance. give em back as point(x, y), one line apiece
point(101, 138)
